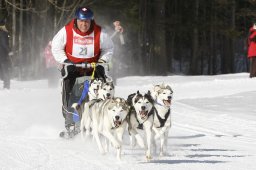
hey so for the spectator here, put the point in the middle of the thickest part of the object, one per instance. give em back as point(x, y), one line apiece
point(252, 50)
point(4, 57)
point(51, 66)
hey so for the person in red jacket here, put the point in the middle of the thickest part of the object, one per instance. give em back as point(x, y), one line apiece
point(252, 50)
point(51, 66)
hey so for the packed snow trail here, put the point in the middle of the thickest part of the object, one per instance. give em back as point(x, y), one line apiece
point(214, 120)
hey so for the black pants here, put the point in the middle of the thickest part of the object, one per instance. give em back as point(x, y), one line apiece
point(5, 74)
point(252, 67)
point(67, 87)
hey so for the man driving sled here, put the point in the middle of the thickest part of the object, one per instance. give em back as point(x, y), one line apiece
point(80, 41)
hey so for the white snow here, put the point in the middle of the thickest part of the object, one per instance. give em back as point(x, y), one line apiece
point(214, 127)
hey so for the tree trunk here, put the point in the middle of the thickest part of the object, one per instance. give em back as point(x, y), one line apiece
point(232, 40)
point(194, 60)
point(160, 63)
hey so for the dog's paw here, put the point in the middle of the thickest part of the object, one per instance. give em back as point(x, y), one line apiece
point(117, 145)
point(148, 155)
point(148, 158)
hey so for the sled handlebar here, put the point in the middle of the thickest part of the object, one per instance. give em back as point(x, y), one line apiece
point(83, 65)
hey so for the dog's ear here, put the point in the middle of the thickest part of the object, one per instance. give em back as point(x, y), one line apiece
point(157, 88)
point(138, 92)
point(129, 98)
point(126, 105)
point(122, 100)
point(91, 81)
point(149, 93)
point(149, 96)
point(112, 85)
point(169, 88)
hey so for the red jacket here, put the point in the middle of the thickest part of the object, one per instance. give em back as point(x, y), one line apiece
point(252, 43)
point(49, 59)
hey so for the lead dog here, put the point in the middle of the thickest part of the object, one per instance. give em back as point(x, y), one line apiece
point(109, 119)
point(141, 117)
point(162, 95)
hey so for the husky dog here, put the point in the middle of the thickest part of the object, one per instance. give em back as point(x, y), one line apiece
point(106, 91)
point(162, 95)
point(93, 93)
point(141, 117)
point(108, 117)
point(94, 88)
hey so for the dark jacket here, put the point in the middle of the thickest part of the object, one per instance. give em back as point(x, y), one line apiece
point(4, 46)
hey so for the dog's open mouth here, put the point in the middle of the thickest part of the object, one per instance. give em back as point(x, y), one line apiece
point(143, 114)
point(107, 97)
point(96, 91)
point(167, 102)
point(117, 123)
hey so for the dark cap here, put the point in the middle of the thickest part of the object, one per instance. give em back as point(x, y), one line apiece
point(84, 13)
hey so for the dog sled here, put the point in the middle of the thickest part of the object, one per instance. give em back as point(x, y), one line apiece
point(79, 95)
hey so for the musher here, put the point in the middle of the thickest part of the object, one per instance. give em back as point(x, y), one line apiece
point(80, 41)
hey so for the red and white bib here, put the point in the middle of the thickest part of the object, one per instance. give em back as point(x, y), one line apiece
point(82, 47)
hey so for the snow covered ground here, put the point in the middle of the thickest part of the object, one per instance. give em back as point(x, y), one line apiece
point(214, 127)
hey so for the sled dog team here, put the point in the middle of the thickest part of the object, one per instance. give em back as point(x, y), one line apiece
point(107, 117)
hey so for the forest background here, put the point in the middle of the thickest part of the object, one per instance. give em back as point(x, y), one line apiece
point(162, 37)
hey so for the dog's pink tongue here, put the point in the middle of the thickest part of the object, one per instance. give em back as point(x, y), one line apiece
point(143, 112)
point(117, 123)
point(167, 102)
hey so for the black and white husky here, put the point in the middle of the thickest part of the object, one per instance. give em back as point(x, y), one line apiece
point(162, 95)
point(95, 86)
point(106, 91)
point(108, 119)
point(93, 93)
point(141, 116)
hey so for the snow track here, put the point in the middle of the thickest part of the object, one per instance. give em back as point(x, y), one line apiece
point(18, 152)
point(214, 127)
point(221, 125)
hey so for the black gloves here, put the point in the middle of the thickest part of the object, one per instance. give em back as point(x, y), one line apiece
point(100, 72)
point(70, 68)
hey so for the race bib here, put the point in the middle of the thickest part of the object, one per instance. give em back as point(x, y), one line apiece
point(83, 46)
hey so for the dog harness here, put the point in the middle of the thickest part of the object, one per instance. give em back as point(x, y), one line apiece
point(163, 121)
point(140, 125)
